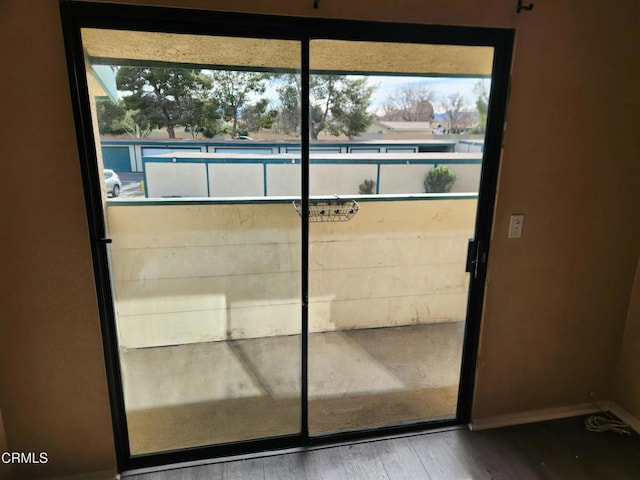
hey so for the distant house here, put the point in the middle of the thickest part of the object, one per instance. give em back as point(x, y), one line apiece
point(389, 130)
point(467, 121)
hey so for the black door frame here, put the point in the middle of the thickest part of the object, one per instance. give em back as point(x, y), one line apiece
point(76, 15)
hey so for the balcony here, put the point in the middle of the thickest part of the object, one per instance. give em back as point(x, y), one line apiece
point(208, 308)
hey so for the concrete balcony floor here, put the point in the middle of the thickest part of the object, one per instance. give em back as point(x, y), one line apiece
point(218, 392)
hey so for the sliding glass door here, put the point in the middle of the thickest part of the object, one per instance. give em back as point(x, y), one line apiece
point(388, 290)
point(206, 267)
point(280, 212)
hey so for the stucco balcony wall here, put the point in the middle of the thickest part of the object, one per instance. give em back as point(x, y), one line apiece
point(205, 271)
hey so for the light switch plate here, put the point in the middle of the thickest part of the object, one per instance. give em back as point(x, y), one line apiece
point(515, 225)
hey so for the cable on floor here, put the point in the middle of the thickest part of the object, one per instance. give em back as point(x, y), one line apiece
point(600, 423)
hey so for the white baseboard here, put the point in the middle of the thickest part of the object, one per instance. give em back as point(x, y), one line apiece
point(536, 416)
point(625, 416)
point(554, 414)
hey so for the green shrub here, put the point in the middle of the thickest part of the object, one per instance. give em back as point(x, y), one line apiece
point(439, 180)
point(367, 187)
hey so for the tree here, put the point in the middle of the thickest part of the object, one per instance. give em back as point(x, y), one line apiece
point(409, 104)
point(256, 117)
point(114, 119)
point(202, 116)
point(110, 116)
point(161, 95)
point(231, 91)
point(290, 93)
point(482, 103)
point(338, 105)
point(194, 116)
point(349, 114)
point(453, 110)
point(137, 124)
point(324, 91)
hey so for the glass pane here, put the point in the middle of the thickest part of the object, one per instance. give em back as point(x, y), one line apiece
point(390, 219)
point(205, 260)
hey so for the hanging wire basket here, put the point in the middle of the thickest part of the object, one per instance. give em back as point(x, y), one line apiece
point(329, 210)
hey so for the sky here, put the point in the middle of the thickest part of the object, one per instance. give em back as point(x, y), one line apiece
point(387, 85)
point(442, 86)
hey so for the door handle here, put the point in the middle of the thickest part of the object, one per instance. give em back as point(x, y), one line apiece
point(476, 257)
point(471, 256)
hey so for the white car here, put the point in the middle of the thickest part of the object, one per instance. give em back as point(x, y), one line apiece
point(112, 181)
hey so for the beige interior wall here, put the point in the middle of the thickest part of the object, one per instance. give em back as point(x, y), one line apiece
point(627, 382)
point(53, 392)
point(5, 468)
point(556, 300)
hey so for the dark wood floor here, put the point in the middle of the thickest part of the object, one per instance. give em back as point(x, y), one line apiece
point(559, 449)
